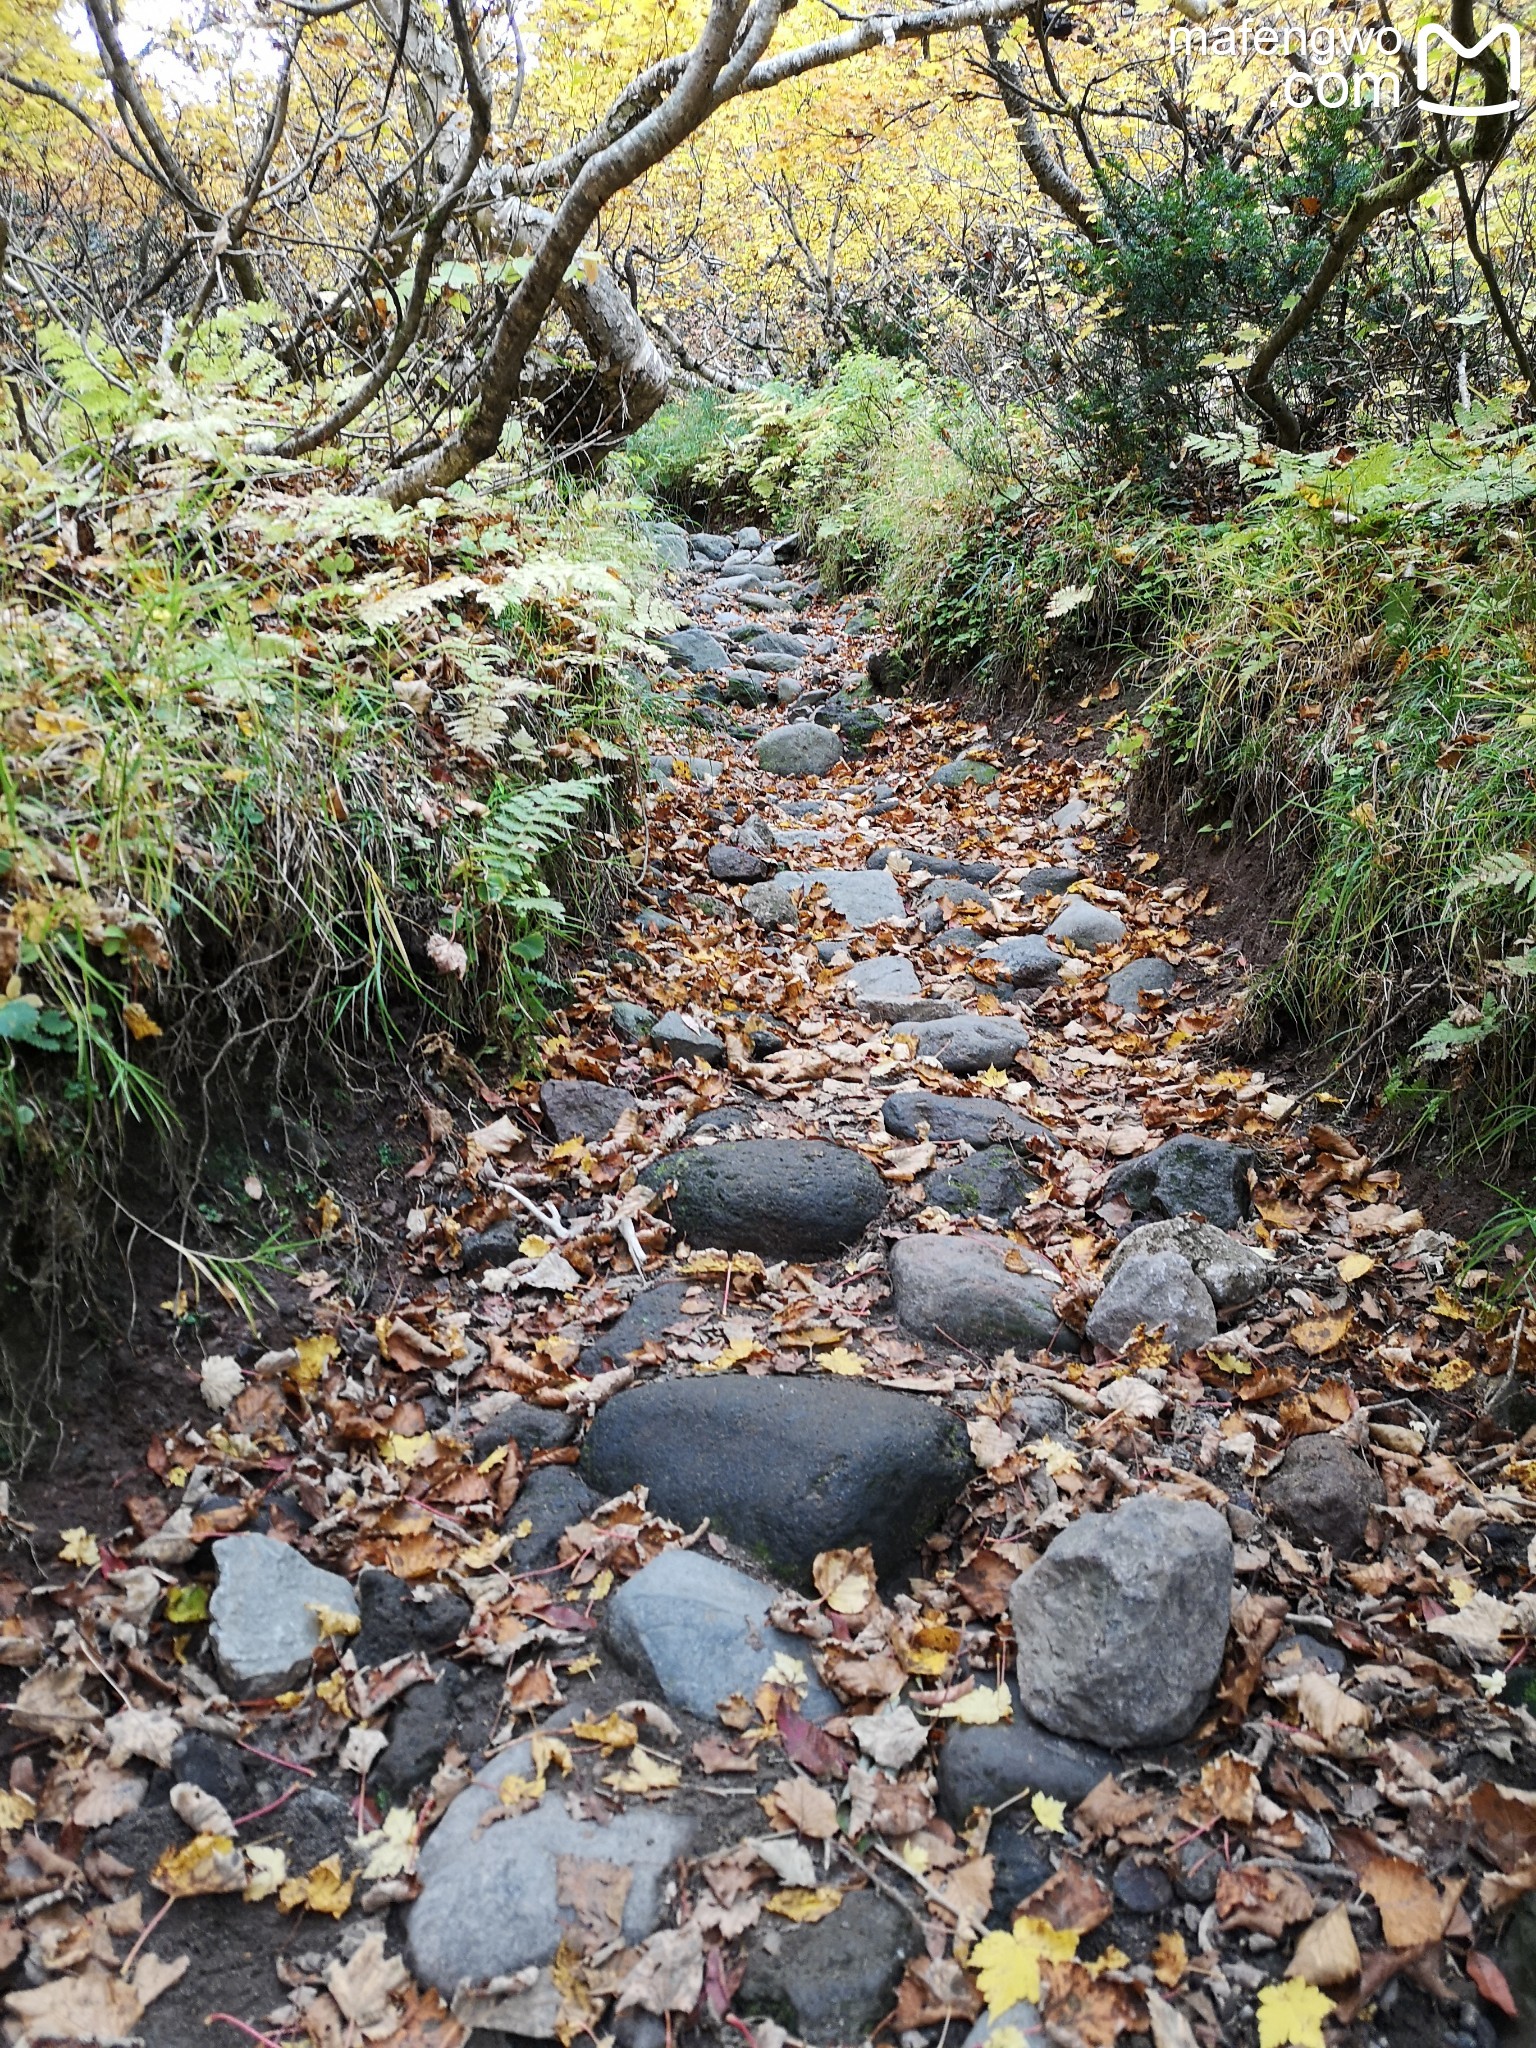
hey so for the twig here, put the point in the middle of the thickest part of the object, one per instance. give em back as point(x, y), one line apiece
point(228, 2019)
point(132, 1955)
point(271, 1757)
point(888, 1891)
point(261, 1812)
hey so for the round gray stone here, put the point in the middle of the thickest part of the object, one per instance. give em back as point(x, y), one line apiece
point(1025, 962)
point(1187, 1177)
point(786, 1198)
point(263, 1610)
point(1086, 925)
point(835, 1979)
point(959, 1291)
point(583, 1109)
point(972, 1119)
point(801, 749)
point(1232, 1273)
point(989, 1183)
point(1154, 1291)
point(968, 1045)
point(1150, 976)
point(1324, 1492)
point(681, 1040)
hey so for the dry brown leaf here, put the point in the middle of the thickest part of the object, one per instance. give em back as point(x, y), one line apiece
point(668, 1973)
point(51, 1703)
point(1268, 1901)
point(1327, 1953)
point(364, 1988)
point(1412, 1911)
point(846, 1580)
point(1329, 1711)
point(1231, 1784)
point(805, 1806)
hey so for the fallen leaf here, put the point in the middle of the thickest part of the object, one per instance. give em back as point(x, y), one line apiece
point(845, 1579)
point(79, 1546)
point(1268, 1901)
point(1291, 2015)
point(806, 1807)
point(1007, 1966)
point(1328, 1710)
point(206, 1865)
point(321, 1890)
point(647, 1774)
point(1492, 1983)
point(891, 1738)
point(1412, 1911)
point(983, 1707)
point(364, 1987)
point(1170, 1959)
point(1318, 1334)
point(1327, 1953)
point(804, 1904)
point(268, 1871)
point(1050, 1814)
point(668, 1973)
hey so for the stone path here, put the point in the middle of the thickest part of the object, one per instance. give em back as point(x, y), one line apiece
point(801, 1551)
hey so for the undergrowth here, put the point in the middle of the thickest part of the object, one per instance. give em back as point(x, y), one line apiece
point(282, 769)
point(1342, 666)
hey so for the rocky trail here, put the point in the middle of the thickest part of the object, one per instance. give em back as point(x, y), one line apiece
point(893, 1496)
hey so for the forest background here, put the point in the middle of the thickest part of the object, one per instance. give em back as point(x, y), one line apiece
point(349, 346)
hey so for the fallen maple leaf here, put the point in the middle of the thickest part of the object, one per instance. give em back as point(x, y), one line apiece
point(1318, 1334)
point(648, 1775)
point(1291, 2015)
point(983, 1707)
point(321, 1890)
point(806, 1807)
point(804, 1904)
point(1007, 1966)
point(1050, 1814)
point(845, 1579)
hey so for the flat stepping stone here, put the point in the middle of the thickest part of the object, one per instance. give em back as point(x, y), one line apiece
point(989, 1183)
point(801, 749)
point(798, 835)
point(680, 1040)
point(908, 1009)
point(632, 1022)
point(583, 1109)
point(266, 1614)
point(860, 896)
point(785, 1198)
point(489, 1902)
point(936, 863)
point(785, 1467)
point(960, 1291)
point(967, 1119)
point(1048, 882)
point(643, 1322)
point(890, 976)
point(968, 1045)
point(1070, 816)
point(1151, 976)
point(941, 898)
point(711, 547)
point(1086, 925)
point(789, 646)
point(695, 650)
point(1024, 963)
point(698, 1631)
point(1187, 1177)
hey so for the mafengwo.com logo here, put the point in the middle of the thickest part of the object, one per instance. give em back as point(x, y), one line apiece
point(1335, 63)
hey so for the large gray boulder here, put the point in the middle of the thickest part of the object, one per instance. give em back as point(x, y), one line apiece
point(1232, 1273)
point(801, 749)
point(970, 1119)
point(1122, 1625)
point(1324, 1492)
point(860, 896)
point(490, 1905)
point(1187, 1177)
point(963, 772)
point(1159, 1291)
point(968, 1045)
point(785, 1467)
point(697, 1630)
point(266, 1614)
point(787, 1198)
point(960, 1291)
point(1086, 925)
point(583, 1109)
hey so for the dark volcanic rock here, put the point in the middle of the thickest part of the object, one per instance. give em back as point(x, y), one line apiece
point(1187, 1177)
point(420, 1730)
point(969, 1118)
point(785, 1468)
point(582, 1109)
point(786, 1198)
point(740, 864)
point(645, 1320)
point(550, 1499)
point(968, 1045)
point(1324, 1493)
point(985, 1766)
point(531, 1429)
point(396, 1622)
point(989, 1183)
point(834, 1979)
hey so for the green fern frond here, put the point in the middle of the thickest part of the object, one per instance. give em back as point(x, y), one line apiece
point(525, 826)
point(1508, 870)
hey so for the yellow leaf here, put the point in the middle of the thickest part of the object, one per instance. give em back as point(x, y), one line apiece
point(983, 1708)
point(1355, 1265)
point(80, 1547)
point(992, 1077)
point(1007, 1966)
point(1051, 1814)
point(601, 1587)
point(647, 1774)
point(334, 1621)
point(842, 1360)
point(520, 1793)
point(206, 1864)
point(1451, 1377)
point(269, 1870)
point(1170, 1959)
point(333, 1691)
point(1317, 1334)
point(16, 1809)
point(409, 1450)
point(733, 1354)
point(534, 1247)
point(801, 1903)
point(547, 1750)
point(324, 1890)
point(1056, 1458)
point(314, 1355)
point(612, 1732)
point(786, 1671)
point(392, 1847)
point(327, 1213)
point(139, 1021)
point(845, 1579)
point(1291, 2015)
